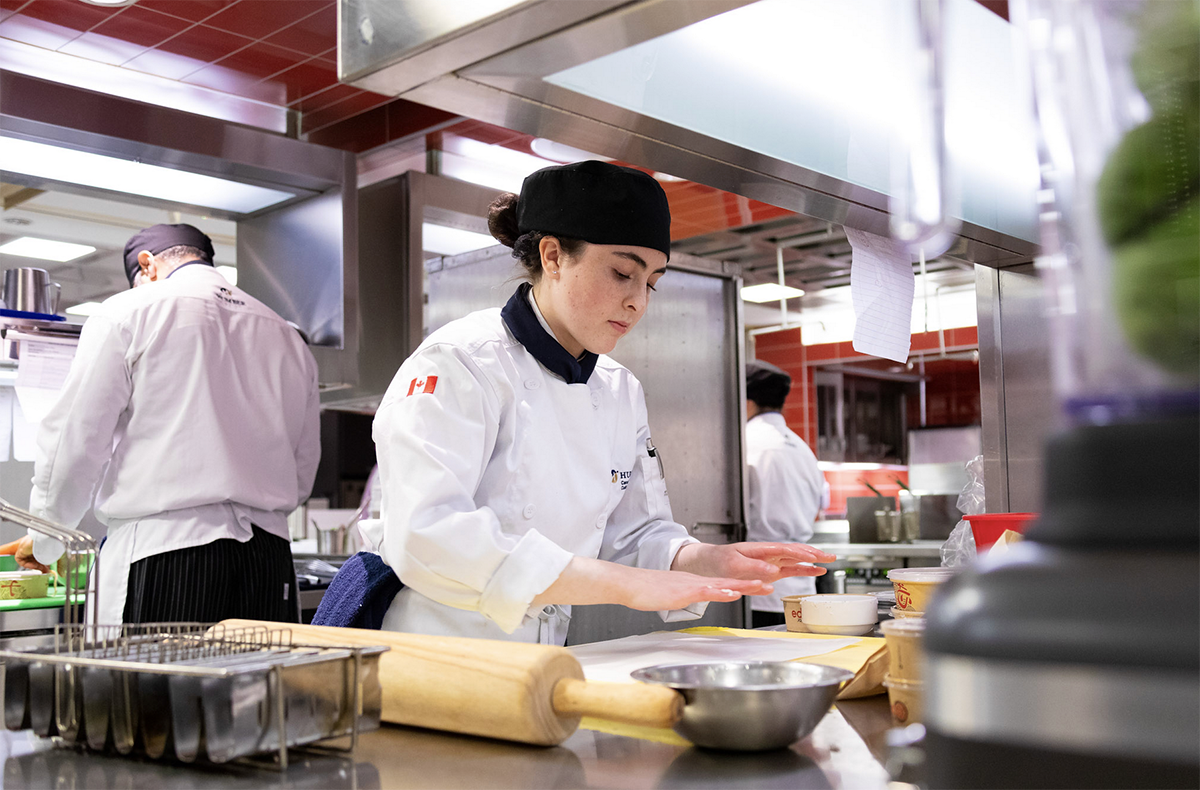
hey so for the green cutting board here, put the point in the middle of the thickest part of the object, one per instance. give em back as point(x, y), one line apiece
point(49, 601)
point(55, 598)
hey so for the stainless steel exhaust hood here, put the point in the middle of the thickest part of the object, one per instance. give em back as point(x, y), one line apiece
point(783, 101)
point(298, 256)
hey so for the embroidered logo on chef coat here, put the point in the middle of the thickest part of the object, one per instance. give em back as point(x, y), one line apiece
point(425, 385)
point(226, 295)
point(622, 478)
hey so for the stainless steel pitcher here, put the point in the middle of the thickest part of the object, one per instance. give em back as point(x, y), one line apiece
point(30, 290)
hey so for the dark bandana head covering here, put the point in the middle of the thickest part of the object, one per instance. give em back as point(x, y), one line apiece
point(596, 202)
point(767, 385)
point(157, 238)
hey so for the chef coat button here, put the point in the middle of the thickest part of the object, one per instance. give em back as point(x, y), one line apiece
point(532, 384)
point(601, 521)
point(595, 398)
point(528, 511)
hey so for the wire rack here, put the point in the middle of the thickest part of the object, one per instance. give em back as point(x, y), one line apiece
point(186, 688)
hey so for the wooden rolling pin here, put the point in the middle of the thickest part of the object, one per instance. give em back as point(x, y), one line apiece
point(508, 690)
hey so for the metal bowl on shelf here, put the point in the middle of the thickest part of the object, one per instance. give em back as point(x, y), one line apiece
point(749, 706)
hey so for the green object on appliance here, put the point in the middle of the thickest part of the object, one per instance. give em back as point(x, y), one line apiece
point(1148, 197)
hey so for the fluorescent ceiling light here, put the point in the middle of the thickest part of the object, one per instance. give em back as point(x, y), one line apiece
point(488, 165)
point(444, 240)
point(769, 292)
point(84, 309)
point(46, 250)
point(229, 273)
point(122, 175)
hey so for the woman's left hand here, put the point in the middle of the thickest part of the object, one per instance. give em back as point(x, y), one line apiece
point(768, 562)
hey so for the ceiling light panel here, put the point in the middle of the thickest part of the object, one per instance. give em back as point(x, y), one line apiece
point(45, 249)
point(769, 292)
point(67, 165)
point(444, 240)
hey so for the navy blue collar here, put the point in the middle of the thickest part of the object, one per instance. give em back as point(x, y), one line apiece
point(188, 263)
point(524, 324)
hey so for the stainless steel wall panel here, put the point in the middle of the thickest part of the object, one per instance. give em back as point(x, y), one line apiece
point(1016, 394)
point(387, 284)
point(1029, 400)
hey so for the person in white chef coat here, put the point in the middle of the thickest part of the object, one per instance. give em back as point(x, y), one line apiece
point(517, 471)
point(787, 489)
point(189, 421)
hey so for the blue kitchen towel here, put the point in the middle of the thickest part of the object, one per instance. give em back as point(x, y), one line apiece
point(360, 594)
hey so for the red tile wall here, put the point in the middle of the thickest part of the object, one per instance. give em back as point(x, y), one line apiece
point(848, 482)
point(951, 394)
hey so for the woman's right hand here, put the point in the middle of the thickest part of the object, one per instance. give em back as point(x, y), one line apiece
point(589, 581)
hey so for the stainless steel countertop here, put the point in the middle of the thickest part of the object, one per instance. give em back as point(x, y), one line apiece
point(845, 750)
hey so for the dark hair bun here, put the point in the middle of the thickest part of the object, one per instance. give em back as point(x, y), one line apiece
point(502, 219)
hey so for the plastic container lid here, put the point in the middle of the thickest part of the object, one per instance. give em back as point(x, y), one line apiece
point(19, 574)
point(906, 614)
point(898, 683)
point(908, 626)
point(988, 527)
point(935, 575)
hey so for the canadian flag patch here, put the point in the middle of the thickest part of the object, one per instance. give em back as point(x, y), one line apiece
point(422, 385)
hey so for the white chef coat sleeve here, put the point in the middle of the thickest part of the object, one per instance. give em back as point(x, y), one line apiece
point(75, 438)
point(308, 448)
point(433, 447)
point(641, 531)
point(782, 504)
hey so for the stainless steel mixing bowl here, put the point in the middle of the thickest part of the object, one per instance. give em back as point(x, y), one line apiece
point(749, 706)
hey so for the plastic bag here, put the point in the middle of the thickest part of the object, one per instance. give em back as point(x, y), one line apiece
point(959, 548)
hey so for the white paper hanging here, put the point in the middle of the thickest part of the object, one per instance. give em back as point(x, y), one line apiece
point(882, 286)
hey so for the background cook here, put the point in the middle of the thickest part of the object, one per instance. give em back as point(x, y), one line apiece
point(190, 418)
point(786, 487)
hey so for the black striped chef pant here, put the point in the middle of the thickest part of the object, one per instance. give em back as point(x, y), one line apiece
point(254, 580)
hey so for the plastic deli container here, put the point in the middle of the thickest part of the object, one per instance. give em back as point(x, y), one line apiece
point(988, 527)
point(915, 585)
point(906, 698)
point(906, 654)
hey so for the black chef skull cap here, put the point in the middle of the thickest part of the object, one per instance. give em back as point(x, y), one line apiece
point(157, 238)
point(597, 202)
point(767, 385)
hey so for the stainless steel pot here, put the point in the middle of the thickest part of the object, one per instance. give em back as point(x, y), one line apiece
point(30, 290)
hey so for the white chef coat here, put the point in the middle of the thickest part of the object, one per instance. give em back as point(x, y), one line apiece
point(190, 411)
point(786, 489)
point(498, 472)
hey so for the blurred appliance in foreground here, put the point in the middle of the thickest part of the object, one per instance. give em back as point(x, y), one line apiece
point(1074, 659)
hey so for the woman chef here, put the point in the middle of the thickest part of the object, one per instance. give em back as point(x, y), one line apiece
point(516, 468)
